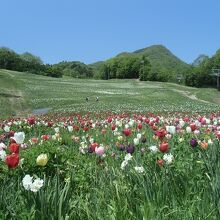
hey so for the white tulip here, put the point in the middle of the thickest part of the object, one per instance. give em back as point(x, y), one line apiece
point(6, 128)
point(188, 129)
point(171, 129)
point(19, 137)
point(139, 169)
point(70, 128)
point(136, 141)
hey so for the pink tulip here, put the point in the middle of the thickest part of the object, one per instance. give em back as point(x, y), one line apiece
point(100, 151)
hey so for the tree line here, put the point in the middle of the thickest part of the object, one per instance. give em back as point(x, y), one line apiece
point(200, 72)
point(26, 62)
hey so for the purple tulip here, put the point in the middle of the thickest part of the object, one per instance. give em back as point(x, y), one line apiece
point(130, 149)
point(193, 142)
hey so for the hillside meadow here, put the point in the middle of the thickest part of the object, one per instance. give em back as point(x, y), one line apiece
point(21, 93)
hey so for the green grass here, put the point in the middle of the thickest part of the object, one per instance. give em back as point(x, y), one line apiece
point(23, 92)
point(85, 186)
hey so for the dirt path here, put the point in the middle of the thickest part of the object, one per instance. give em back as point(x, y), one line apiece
point(190, 96)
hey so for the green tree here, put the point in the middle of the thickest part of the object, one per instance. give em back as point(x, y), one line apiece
point(75, 69)
point(10, 60)
point(144, 73)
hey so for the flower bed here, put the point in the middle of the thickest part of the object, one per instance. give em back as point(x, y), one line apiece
point(104, 166)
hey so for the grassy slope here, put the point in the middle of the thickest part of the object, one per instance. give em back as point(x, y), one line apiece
point(22, 92)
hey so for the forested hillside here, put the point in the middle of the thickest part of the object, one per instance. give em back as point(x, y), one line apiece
point(154, 63)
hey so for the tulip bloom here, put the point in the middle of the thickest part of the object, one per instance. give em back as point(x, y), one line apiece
point(70, 128)
point(204, 145)
point(161, 134)
point(2, 146)
point(164, 147)
point(127, 131)
point(171, 129)
point(168, 158)
point(100, 151)
point(42, 160)
point(45, 137)
point(31, 121)
point(19, 137)
point(14, 148)
point(93, 146)
point(12, 160)
point(130, 149)
point(136, 141)
point(193, 142)
point(6, 128)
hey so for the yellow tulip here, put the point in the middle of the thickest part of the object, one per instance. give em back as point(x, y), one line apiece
point(120, 138)
point(42, 160)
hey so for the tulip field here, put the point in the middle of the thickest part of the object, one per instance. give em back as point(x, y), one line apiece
point(142, 151)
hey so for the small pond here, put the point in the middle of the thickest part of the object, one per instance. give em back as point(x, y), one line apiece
point(41, 111)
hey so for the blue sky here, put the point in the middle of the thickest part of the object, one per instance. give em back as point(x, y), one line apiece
point(93, 30)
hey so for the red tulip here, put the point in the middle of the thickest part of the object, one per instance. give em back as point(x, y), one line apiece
point(113, 127)
point(93, 146)
point(45, 137)
point(127, 131)
point(31, 120)
point(14, 148)
point(193, 127)
point(147, 120)
point(157, 119)
point(164, 147)
point(12, 160)
point(109, 120)
point(139, 126)
point(11, 133)
point(161, 133)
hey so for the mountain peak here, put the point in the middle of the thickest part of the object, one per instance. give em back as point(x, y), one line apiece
point(152, 47)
